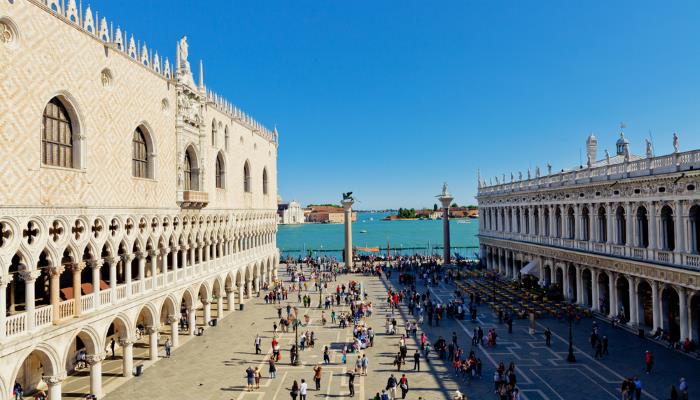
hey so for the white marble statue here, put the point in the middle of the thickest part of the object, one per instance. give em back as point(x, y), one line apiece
point(184, 52)
point(676, 146)
point(607, 157)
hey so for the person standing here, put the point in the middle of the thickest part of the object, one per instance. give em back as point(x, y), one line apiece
point(302, 390)
point(258, 340)
point(548, 337)
point(637, 388)
point(599, 349)
point(683, 389)
point(416, 361)
point(605, 345)
point(351, 383)
point(326, 356)
point(365, 364)
point(273, 367)
point(391, 384)
point(168, 347)
point(112, 344)
point(295, 390)
point(317, 376)
point(250, 378)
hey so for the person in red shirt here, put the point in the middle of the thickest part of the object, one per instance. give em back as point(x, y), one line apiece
point(648, 361)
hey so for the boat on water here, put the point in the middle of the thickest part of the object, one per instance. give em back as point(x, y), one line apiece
point(464, 221)
point(363, 231)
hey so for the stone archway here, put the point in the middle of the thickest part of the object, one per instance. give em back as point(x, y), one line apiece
point(670, 312)
point(39, 371)
point(645, 305)
point(624, 310)
point(83, 362)
point(119, 340)
point(604, 292)
point(169, 316)
point(587, 286)
point(146, 333)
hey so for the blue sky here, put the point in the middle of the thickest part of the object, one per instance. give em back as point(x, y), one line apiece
point(391, 98)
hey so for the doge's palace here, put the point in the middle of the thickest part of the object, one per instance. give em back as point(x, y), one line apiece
point(137, 206)
point(619, 235)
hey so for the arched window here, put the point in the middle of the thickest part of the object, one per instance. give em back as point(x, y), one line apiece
point(694, 219)
point(139, 156)
point(621, 225)
point(220, 172)
point(188, 171)
point(264, 181)
point(57, 136)
point(536, 218)
point(526, 217)
point(246, 177)
point(558, 222)
point(585, 224)
point(642, 227)
point(668, 241)
point(602, 225)
point(571, 223)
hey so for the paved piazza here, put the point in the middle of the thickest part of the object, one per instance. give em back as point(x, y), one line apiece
point(213, 367)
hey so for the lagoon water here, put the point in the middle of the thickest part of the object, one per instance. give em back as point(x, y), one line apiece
point(413, 236)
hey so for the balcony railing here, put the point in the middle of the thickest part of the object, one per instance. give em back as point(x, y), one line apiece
point(639, 253)
point(194, 199)
point(43, 316)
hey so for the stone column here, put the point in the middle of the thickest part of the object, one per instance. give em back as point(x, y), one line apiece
point(96, 265)
point(29, 278)
point(206, 304)
point(249, 288)
point(683, 311)
point(112, 277)
point(655, 305)
point(95, 363)
point(610, 224)
point(579, 285)
point(445, 201)
point(231, 299)
point(219, 306)
point(154, 267)
point(207, 250)
point(240, 294)
point(654, 237)
point(633, 314)
point(612, 288)
point(566, 284)
point(347, 208)
point(174, 336)
point(4, 281)
point(256, 282)
point(142, 271)
point(164, 264)
point(54, 385)
point(679, 227)
point(631, 233)
point(200, 251)
point(128, 356)
point(54, 287)
point(192, 250)
point(183, 254)
point(152, 342)
point(595, 290)
point(76, 269)
point(192, 315)
point(127, 259)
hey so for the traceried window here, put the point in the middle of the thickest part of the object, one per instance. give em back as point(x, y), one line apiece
point(56, 136)
point(220, 172)
point(264, 181)
point(188, 171)
point(139, 155)
point(246, 177)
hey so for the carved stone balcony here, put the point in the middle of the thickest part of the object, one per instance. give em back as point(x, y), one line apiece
point(194, 200)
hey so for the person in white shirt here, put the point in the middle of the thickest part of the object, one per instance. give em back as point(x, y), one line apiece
point(302, 390)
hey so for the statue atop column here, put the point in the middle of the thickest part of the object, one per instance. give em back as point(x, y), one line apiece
point(184, 71)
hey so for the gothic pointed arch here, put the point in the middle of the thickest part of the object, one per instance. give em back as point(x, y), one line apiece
point(61, 136)
point(220, 171)
point(142, 153)
point(191, 169)
point(246, 177)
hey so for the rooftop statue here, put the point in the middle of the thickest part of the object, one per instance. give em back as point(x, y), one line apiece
point(676, 146)
point(650, 149)
point(184, 52)
point(607, 157)
point(348, 196)
point(537, 172)
point(446, 192)
point(520, 175)
point(549, 169)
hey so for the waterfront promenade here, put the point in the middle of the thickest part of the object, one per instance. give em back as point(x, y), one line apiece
point(214, 367)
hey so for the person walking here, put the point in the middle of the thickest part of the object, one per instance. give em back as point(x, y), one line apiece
point(605, 345)
point(250, 379)
point(258, 375)
point(683, 389)
point(168, 347)
point(112, 344)
point(258, 341)
point(302, 390)
point(416, 361)
point(326, 356)
point(317, 376)
point(351, 382)
point(391, 384)
point(403, 384)
point(295, 390)
point(598, 349)
point(648, 361)
point(365, 364)
point(548, 337)
point(637, 388)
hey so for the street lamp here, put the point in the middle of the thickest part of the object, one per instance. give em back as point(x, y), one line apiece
point(570, 315)
point(320, 285)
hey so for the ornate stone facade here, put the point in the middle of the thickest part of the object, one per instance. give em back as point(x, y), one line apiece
point(621, 235)
point(134, 200)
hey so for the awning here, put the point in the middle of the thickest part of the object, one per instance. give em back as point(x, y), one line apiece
point(531, 268)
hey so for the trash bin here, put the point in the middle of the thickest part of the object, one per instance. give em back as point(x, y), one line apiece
point(240, 306)
point(212, 322)
point(200, 331)
point(139, 370)
point(640, 332)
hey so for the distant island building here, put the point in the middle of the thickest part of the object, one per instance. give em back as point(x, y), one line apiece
point(290, 213)
point(327, 214)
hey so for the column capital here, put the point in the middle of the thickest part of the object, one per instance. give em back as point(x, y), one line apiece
point(153, 253)
point(172, 318)
point(176, 248)
point(141, 254)
point(30, 275)
point(164, 251)
point(5, 280)
point(56, 270)
point(112, 260)
point(54, 379)
point(97, 263)
point(93, 359)
point(126, 341)
point(151, 329)
point(77, 267)
point(127, 258)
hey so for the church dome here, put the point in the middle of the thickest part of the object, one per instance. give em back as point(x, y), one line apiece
point(622, 142)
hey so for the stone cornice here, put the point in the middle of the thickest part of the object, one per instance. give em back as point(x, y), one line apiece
point(670, 275)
